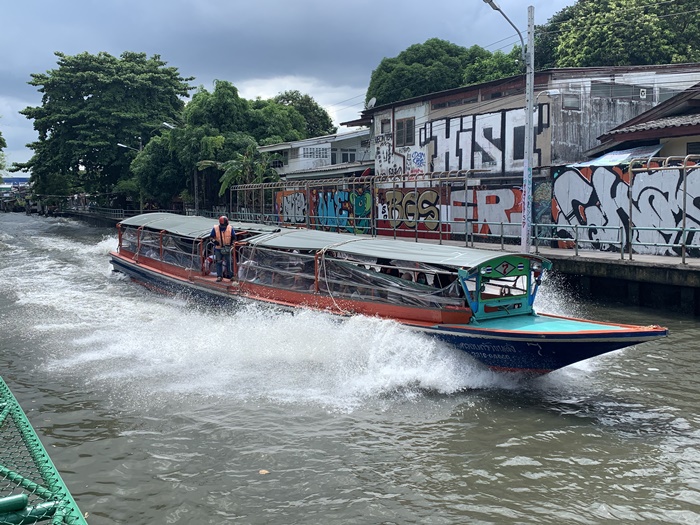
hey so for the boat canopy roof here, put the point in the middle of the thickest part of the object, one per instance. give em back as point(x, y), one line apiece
point(189, 226)
point(383, 248)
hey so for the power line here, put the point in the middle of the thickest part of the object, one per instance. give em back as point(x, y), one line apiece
point(513, 40)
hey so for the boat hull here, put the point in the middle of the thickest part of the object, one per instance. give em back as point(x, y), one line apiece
point(533, 344)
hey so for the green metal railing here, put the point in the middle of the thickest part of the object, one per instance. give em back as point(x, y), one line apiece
point(31, 489)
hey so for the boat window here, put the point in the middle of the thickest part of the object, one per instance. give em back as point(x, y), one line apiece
point(352, 279)
point(289, 269)
point(342, 276)
point(129, 239)
point(179, 251)
point(503, 287)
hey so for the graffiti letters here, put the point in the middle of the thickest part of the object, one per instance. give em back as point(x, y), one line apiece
point(329, 209)
point(403, 210)
point(595, 199)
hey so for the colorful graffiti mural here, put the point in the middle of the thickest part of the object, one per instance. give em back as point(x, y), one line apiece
point(406, 209)
point(597, 200)
point(326, 208)
point(402, 211)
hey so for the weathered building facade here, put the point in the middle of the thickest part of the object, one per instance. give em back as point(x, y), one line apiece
point(483, 126)
point(451, 163)
point(338, 155)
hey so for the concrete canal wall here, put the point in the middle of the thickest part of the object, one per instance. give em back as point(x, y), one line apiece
point(648, 281)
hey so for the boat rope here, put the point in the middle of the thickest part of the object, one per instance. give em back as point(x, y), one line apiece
point(322, 253)
point(330, 292)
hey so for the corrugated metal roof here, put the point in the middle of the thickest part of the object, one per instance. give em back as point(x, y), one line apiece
point(660, 123)
point(621, 157)
point(380, 248)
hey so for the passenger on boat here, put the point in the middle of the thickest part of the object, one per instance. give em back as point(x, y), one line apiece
point(422, 279)
point(224, 236)
point(386, 267)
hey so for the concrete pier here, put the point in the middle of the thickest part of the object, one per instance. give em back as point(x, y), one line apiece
point(646, 280)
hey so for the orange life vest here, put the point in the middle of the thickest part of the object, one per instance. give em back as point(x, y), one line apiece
point(224, 237)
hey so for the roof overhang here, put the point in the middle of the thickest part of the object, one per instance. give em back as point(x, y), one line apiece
point(334, 171)
point(616, 158)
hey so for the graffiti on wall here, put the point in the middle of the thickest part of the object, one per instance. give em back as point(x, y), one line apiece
point(427, 211)
point(596, 199)
point(326, 208)
point(403, 209)
point(493, 141)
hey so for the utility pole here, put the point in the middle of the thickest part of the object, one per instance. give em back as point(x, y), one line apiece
point(528, 54)
point(525, 235)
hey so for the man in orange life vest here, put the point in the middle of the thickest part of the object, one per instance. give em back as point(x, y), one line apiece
point(223, 236)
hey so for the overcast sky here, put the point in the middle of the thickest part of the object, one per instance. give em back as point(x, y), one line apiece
point(326, 48)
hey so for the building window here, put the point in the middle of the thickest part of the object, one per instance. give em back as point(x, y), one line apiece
point(518, 142)
point(386, 126)
point(281, 159)
point(334, 156)
point(571, 101)
point(405, 132)
point(347, 154)
point(314, 153)
point(693, 148)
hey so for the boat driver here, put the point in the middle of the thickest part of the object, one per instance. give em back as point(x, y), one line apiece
point(223, 235)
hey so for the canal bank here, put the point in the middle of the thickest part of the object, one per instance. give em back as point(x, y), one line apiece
point(647, 280)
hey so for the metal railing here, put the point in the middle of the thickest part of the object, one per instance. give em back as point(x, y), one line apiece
point(497, 233)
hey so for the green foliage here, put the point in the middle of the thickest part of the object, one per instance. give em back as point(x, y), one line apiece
point(89, 104)
point(435, 66)
point(494, 66)
point(223, 109)
point(272, 120)
point(158, 174)
point(620, 32)
point(588, 33)
point(246, 167)
point(318, 121)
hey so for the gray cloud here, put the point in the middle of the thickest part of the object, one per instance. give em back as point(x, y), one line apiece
point(327, 49)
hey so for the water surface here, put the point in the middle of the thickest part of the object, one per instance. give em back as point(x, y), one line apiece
point(159, 411)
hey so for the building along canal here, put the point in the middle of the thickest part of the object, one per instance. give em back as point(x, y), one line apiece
point(156, 410)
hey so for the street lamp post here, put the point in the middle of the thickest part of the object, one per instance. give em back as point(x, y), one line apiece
point(194, 175)
point(529, 59)
point(137, 151)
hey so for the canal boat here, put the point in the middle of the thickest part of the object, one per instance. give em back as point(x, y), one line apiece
point(479, 301)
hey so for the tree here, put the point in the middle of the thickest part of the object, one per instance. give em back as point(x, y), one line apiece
point(619, 33)
point(271, 122)
point(158, 175)
point(247, 167)
point(214, 128)
point(547, 38)
point(89, 104)
point(223, 109)
point(318, 121)
point(3, 145)
point(437, 65)
point(494, 66)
